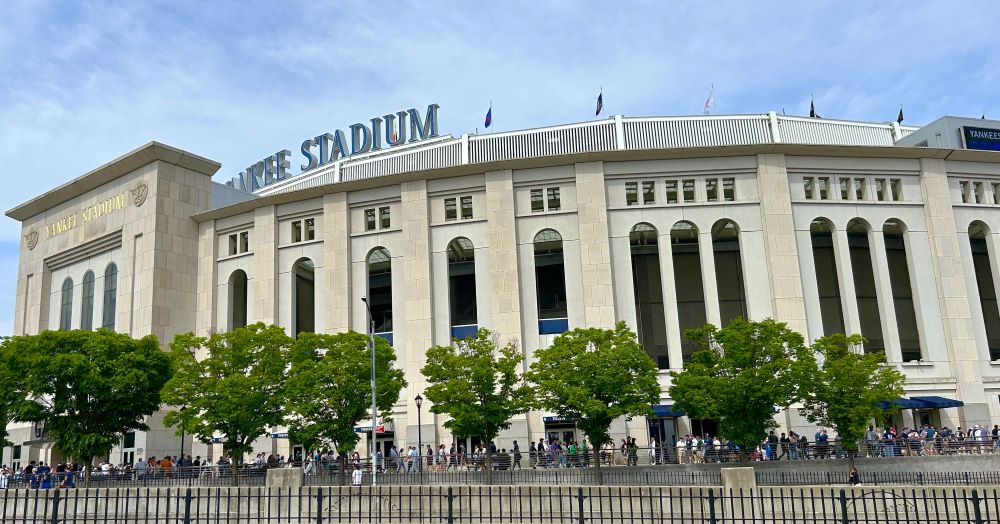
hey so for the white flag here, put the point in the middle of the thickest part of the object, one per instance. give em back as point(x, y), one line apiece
point(710, 101)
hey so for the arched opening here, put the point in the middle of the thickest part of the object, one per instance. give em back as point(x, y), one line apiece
point(380, 291)
point(110, 297)
point(87, 301)
point(902, 291)
point(237, 299)
point(648, 287)
point(864, 285)
point(978, 238)
point(550, 283)
point(687, 281)
point(66, 305)
point(729, 271)
point(827, 282)
point(462, 288)
point(304, 296)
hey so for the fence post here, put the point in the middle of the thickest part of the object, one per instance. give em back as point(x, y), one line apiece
point(843, 506)
point(451, 511)
point(975, 507)
point(319, 506)
point(55, 507)
point(187, 506)
point(579, 498)
point(711, 506)
point(966, 478)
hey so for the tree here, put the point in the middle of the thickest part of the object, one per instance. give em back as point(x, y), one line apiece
point(594, 376)
point(230, 384)
point(12, 393)
point(848, 387)
point(477, 384)
point(89, 387)
point(741, 375)
point(329, 388)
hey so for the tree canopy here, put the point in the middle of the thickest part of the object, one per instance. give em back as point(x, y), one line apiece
point(741, 375)
point(230, 384)
point(12, 394)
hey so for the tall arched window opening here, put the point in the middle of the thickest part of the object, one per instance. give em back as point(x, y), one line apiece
point(462, 288)
point(648, 287)
point(237, 299)
point(66, 305)
point(304, 296)
point(550, 283)
point(380, 290)
point(978, 235)
point(827, 283)
point(864, 285)
point(902, 291)
point(110, 297)
point(729, 271)
point(687, 282)
point(87, 301)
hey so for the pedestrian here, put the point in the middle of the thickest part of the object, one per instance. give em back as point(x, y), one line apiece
point(516, 450)
point(853, 478)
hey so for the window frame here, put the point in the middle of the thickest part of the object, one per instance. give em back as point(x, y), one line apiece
point(385, 217)
point(450, 209)
point(462, 201)
point(371, 221)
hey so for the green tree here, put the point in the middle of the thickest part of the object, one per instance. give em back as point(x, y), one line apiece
point(594, 376)
point(476, 382)
point(12, 394)
point(847, 388)
point(230, 384)
point(741, 375)
point(329, 388)
point(89, 387)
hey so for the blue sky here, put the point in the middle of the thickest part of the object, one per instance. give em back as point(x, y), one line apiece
point(83, 82)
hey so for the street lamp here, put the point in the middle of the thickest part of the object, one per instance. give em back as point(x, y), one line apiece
point(371, 341)
point(420, 435)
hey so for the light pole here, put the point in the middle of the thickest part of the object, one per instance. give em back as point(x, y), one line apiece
point(371, 341)
point(420, 438)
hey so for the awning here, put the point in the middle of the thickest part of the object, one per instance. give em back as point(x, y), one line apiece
point(933, 401)
point(664, 411)
point(557, 420)
point(902, 403)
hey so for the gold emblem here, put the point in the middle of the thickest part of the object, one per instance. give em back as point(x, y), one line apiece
point(32, 239)
point(139, 193)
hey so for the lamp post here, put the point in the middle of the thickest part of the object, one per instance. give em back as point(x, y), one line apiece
point(420, 438)
point(371, 341)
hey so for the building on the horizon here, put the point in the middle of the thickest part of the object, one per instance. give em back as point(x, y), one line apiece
point(666, 223)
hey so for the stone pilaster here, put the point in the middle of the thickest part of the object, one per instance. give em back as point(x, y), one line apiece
point(337, 262)
point(595, 249)
point(264, 239)
point(505, 292)
point(207, 289)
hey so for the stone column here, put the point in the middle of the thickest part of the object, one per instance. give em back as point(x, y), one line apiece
point(208, 299)
point(787, 300)
point(845, 282)
point(674, 353)
point(886, 305)
point(595, 250)
point(810, 285)
point(952, 296)
point(972, 288)
point(337, 263)
point(709, 283)
point(505, 292)
point(264, 241)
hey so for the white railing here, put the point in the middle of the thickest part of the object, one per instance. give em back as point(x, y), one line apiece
point(617, 133)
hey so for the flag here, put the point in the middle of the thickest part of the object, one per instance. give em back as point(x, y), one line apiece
point(489, 117)
point(899, 118)
point(710, 101)
point(600, 102)
point(812, 110)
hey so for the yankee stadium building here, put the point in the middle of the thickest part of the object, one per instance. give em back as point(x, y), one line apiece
point(665, 223)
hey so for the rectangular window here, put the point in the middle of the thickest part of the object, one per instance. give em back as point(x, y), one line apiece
point(631, 193)
point(880, 189)
point(996, 193)
point(310, 229)
point(859, 189)
point(823, 186)
point(729, 189)
point(845, 188)
point(244, 241)
point(450, 209)
point(383, 217)
point(648, 192)
point(370, 219)
point(234, 244)
point(897, 188)
point(671, 191)
point(979, 192)
point(712, 189)
point(688, 186)
point(537, 201)
point(466, 207)
point(963, 188)
point(807, 187)
point(297, 231)
point(553, 201)
point(16, 453)
point(128, 442)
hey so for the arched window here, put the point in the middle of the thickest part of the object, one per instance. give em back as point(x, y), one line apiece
point(827, 282)
point(237, 299)
point(864, 285)
point(66, 305)
point(87, 318)
point(550, 283)
point(729, 270)
point(648, 291)
point(304, 296)
point(902, 291)
point(380, 289)
point(462, 287)
point(978, 235)
point(110, 297)
point(687, 281)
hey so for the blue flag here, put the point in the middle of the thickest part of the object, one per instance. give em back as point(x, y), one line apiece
point(489, 117)
point(600, 103)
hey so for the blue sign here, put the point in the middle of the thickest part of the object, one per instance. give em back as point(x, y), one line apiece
point(981, 138)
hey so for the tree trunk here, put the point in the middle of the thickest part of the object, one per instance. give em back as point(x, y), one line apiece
point(234, 468)
point(343, 465)
point(489, 463)
point(597, 466)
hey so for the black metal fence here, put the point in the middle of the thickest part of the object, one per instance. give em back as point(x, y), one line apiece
point(501, 504)
point(879, 478)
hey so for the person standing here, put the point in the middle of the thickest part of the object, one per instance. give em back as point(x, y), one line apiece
point(516, 451)
point(853, 478)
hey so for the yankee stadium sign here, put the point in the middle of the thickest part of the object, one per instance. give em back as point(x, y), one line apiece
point(381, 133)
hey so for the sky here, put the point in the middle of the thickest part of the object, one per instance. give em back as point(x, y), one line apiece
point(83, 82)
